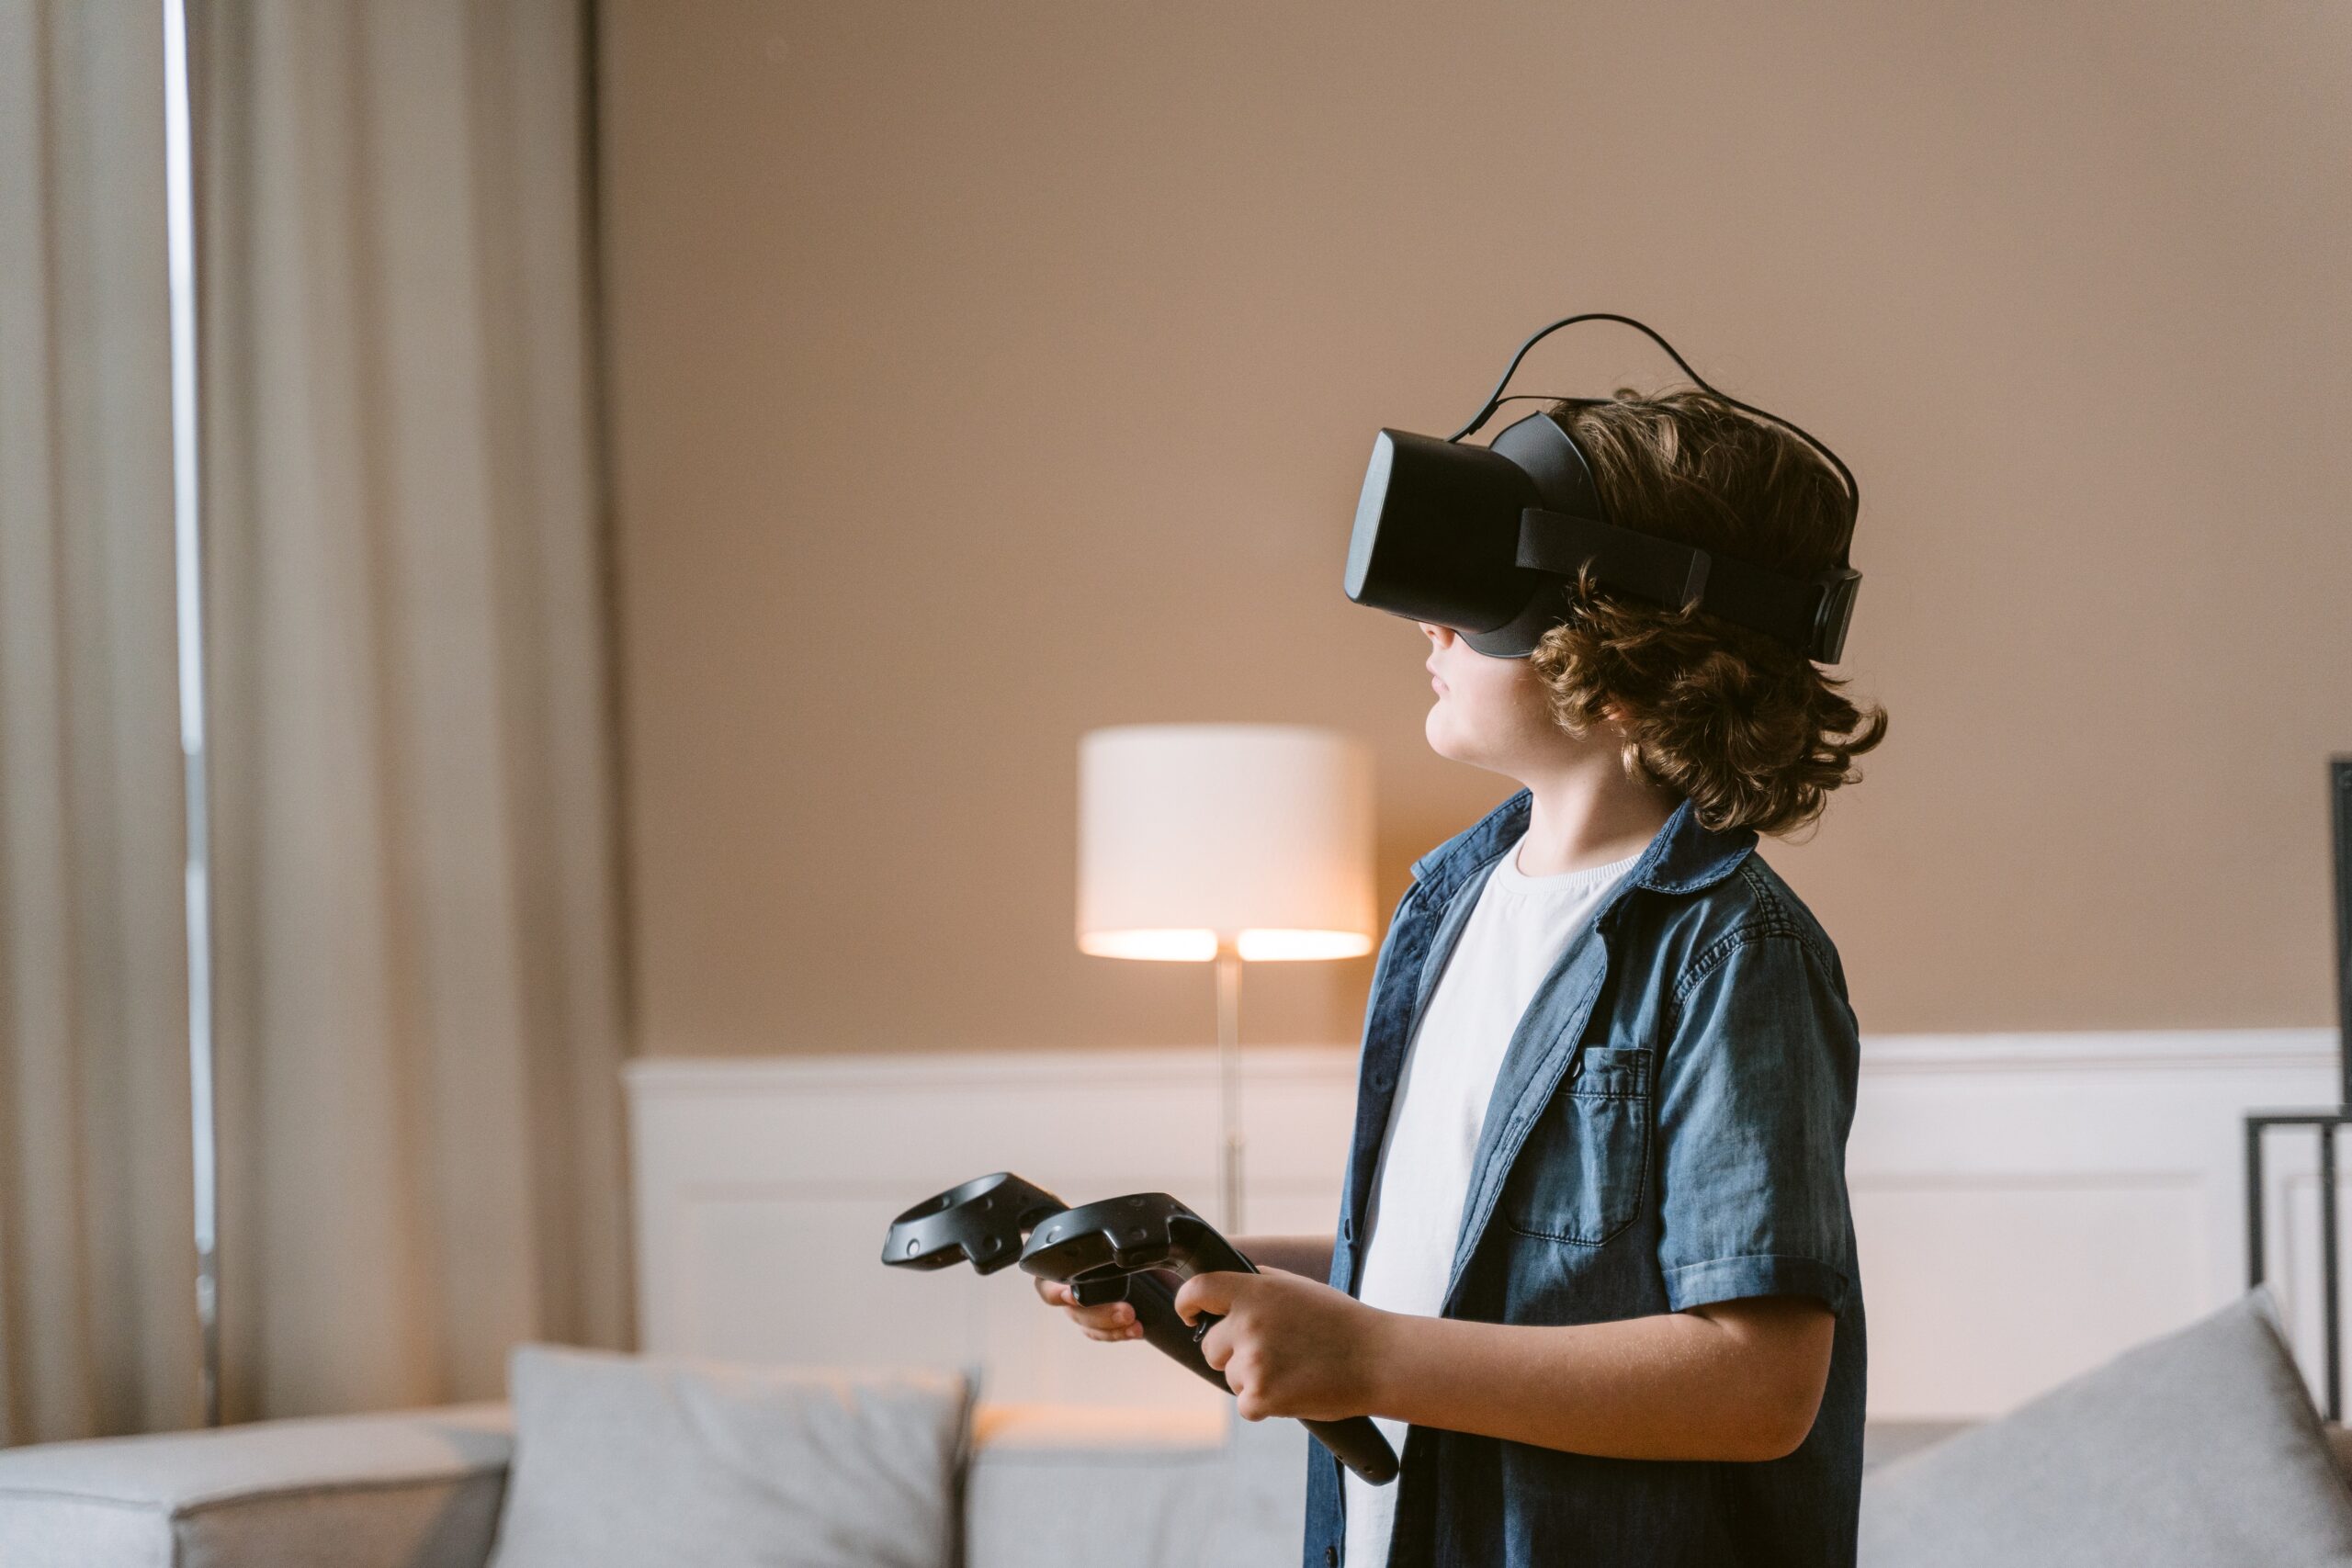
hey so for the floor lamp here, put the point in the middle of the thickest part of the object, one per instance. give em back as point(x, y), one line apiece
point(1224, 843)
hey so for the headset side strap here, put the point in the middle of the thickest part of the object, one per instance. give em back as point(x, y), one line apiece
point(1673, 574)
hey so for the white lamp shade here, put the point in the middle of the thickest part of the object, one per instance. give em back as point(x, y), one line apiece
point(1194, 835)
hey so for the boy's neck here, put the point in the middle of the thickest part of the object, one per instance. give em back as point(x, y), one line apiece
point(1589, 815)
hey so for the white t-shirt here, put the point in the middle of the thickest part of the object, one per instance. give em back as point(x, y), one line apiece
point(1513, 936)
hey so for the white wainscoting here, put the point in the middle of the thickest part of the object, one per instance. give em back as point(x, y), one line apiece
point(2026, 1205)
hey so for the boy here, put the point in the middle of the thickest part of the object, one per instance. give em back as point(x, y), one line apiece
point(1595, 1271)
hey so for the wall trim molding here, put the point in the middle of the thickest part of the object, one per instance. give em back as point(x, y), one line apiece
point(2055, 1049)
point(2169, 1049)
point(2027, 1204)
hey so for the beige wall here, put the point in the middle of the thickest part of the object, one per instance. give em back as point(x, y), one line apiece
point(985, 373)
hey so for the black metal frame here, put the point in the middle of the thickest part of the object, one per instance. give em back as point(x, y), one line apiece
point(2323, 1122)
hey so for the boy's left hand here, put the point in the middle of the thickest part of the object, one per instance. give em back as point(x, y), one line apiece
point(1287, 1344)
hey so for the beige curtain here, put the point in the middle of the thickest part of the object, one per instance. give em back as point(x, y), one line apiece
point(419, 1007)
point(420, 1017)
point(97, 1300)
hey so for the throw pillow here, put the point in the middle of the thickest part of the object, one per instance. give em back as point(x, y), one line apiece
point(628, 1462)
point(2197, 1448)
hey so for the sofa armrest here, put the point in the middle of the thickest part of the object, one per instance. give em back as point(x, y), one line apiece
point(412, 1489)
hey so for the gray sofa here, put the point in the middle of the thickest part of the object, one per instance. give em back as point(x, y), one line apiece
point(2201, 1448)
point(420, 1489)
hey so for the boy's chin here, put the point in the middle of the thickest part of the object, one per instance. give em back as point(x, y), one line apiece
point(1454, 747)
point(1434, 729)
point(1438, 730)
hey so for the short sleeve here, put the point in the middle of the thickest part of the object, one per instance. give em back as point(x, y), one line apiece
point(1754, 1096)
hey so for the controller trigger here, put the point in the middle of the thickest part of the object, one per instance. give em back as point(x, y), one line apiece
point(1100, 1292)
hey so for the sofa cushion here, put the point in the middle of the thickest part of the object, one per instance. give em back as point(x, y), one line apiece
point(2198, 1448)
point(1063, 1486)
point(636, 1460)
point(408, 1490)
point(1050, 1484)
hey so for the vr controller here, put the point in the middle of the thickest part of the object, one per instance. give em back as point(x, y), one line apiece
point(1102, 1250)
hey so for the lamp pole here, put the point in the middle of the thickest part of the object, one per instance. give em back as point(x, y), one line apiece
point(187, 573)
point(1228, 1071)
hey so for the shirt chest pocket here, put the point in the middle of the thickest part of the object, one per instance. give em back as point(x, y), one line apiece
point(1582, 1173)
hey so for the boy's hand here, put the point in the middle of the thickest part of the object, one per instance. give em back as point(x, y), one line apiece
point(1287, 1344)
point(1115, 1320)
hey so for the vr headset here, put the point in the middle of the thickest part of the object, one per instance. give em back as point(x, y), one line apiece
point(1488, 540)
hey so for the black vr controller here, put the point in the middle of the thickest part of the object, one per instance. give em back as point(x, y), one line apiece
point(1104, 1252)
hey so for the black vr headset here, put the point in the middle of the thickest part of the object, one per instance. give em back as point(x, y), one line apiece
point(1488, 540)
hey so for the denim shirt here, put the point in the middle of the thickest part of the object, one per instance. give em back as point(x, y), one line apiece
point(1668, 1129)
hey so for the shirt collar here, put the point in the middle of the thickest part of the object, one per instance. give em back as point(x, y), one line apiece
point(1683, 857)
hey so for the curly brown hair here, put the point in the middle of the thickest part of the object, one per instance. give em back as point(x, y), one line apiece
point(1740, 724)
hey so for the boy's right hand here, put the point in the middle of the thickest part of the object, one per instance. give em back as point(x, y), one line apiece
point(1113, 1321)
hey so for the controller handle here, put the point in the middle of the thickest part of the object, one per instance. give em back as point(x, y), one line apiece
point(1119, 1237)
